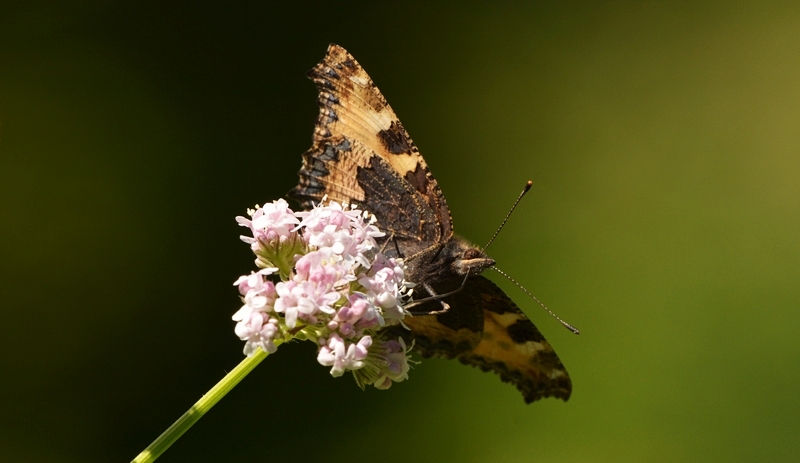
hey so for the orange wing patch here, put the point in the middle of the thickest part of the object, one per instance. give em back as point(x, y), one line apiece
point(512, 347)
point(351, 105)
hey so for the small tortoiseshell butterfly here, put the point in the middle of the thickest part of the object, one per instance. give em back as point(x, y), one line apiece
point(361, 154)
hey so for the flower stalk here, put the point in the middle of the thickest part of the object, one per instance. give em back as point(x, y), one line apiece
point(209, 399)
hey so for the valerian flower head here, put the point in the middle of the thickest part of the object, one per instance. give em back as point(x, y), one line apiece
point(323, 278)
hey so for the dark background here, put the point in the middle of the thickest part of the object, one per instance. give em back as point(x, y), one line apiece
point(663, 140)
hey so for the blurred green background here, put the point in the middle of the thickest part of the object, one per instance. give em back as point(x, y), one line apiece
point(663, 140)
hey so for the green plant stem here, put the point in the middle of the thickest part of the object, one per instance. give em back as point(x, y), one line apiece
point(200, 408)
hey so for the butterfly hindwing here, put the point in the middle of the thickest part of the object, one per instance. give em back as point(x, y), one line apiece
point(485, 329)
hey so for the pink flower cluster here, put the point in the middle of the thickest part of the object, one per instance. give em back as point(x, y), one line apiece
point(323, 278)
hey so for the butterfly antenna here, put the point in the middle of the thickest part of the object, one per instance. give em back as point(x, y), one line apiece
point(566, 325)
point(524, 190)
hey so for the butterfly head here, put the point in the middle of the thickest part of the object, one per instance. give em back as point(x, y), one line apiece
point(467, 259)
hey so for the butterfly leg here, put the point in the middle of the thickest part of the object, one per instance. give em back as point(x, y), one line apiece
point(434, 295)
point(392, 239)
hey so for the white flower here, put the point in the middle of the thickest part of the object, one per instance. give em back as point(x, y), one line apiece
point(259, 294)
point(343, 356)
point(258, 331)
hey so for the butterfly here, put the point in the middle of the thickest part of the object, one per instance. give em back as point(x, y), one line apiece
point(361, 154)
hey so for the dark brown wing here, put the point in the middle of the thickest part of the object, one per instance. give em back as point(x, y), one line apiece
point(361, 154)
point(485, 329)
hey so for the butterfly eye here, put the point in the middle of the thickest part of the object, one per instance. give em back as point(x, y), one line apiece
point(471, 254)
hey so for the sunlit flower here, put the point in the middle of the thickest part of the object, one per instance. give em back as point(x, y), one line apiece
point(258, 293)
point(342, 355)
point(258, 331)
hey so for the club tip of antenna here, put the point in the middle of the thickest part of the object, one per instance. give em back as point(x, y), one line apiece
point(528, 185)
point(569, 327)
